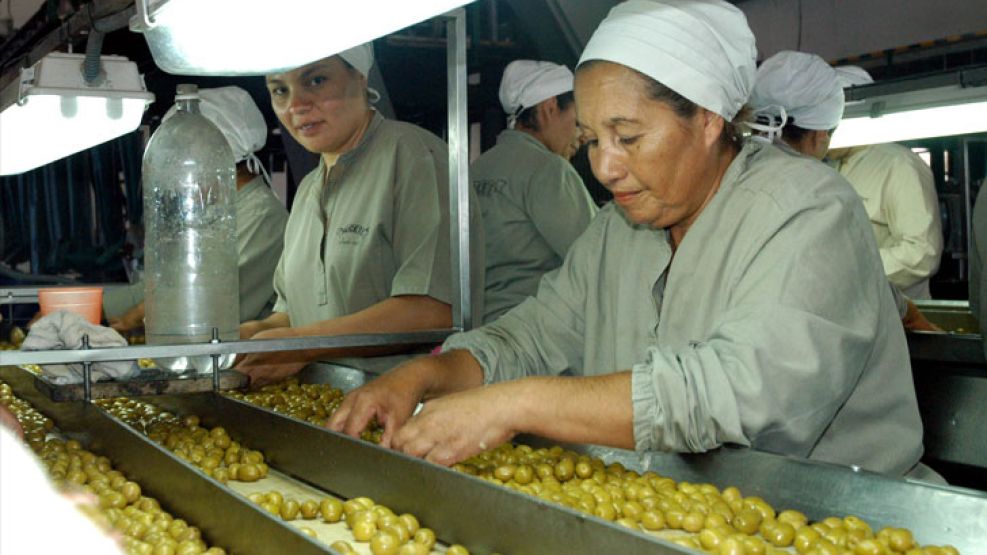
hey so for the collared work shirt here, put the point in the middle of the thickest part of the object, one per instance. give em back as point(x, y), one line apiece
point(899, 195)
point(773, 326)
point(374, 227)
point(534, 206)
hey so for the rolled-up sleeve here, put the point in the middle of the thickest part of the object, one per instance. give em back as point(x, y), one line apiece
point(786, 352)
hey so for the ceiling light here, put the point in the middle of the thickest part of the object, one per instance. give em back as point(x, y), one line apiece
point(940, 105)
point(49, 112)
point(257, 37)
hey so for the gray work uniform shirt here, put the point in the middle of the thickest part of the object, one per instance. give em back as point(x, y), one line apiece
point(773, 325)
point(534, 206)
point(260, 222)
point(374, 227)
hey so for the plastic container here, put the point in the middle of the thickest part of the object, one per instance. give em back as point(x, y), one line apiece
point(87, 301)
point(190, 252)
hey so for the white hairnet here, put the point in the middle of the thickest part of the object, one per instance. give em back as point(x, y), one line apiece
point(361, 57)
point(804, 85)
point(527, 82)
point(234, 113)
point(701, 49)
point(852, 76)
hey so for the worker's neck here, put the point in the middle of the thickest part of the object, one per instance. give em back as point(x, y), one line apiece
point(352, 142)
point(242, 178)
point(538, 135)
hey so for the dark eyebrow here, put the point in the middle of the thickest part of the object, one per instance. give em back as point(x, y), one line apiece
point(615, 121)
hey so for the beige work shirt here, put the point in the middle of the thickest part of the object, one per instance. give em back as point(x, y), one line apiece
point(377, 226)
point(899, 195)
point(534, 206)
point(773, 326)
point(260, 222)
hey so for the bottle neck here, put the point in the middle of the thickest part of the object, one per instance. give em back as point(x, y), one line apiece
point(188, 105)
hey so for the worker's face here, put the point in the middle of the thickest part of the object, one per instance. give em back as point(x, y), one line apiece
point(814, 144)
point(656, 163)
point(558, 127)
point(323, 105)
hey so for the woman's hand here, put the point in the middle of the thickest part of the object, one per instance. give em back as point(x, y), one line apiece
point(456, 427)
point(9, 421)
point(265, 368)
point(390, 398)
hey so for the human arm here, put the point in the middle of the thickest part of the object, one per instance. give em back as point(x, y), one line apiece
point(393, 315)
point(543, 335)
point(249, 329)
point(10, 422)
point(595, 410)
point(911, 208)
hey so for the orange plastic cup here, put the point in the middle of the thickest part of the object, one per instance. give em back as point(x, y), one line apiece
point(87, 301)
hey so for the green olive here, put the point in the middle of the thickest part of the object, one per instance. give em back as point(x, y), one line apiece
point(309, 509)
point(384, 543)
point(289, 510)
point(331, 509)
point(426, 537)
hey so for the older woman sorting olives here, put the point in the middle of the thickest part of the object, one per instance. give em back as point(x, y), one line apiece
point(729, 295)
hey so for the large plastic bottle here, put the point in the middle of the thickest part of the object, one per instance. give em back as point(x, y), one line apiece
point(190, 253)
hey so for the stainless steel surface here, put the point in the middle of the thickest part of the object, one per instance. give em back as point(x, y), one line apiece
point(936, 514)
point(225, 518)
point(199, 349)
point(460, 508)
point(967, 209)
point(954, 413)
point(961, 344)
point(459, 187)
point(18, 295)
point(151, 381)
point(342, 377)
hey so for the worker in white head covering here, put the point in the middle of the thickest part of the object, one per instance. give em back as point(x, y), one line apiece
point(260, 216)
point(899, 194)
point(798, 99)
point(771, 327)
point(534, 204)
point(367, 244)
point(808, 97)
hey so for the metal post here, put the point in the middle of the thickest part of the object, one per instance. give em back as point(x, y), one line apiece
point(967, 211)
point(87, 373)
point(462, 316)
point(215, 361)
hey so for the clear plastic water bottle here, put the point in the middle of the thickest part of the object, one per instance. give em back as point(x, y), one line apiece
point(190, 253)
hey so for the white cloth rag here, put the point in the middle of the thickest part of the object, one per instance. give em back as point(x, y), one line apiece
point(64, 330)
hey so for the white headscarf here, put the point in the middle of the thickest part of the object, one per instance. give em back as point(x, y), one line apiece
point(804, 85)
point(361, 57)
point(701, 49)
point(852, 76)
point(527, 82)
point(234, 113)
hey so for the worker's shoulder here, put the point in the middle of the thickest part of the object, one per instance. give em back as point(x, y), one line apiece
point(791, 180)
point(887, 153)
point(400, 135)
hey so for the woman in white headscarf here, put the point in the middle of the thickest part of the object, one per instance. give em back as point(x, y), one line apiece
point(799, 101)
point(260, 216)
point(802, 97)
point(724, 298)
point(367, 242)
point(534, 204)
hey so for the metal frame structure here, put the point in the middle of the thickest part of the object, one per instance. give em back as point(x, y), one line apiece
point(460, 257)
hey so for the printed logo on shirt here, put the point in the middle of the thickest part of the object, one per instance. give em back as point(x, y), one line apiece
point(489, 187)
point(351, 234)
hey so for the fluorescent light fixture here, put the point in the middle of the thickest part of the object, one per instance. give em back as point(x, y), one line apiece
point(50, 112)
point(257, 37)
point(932, 106)
point(944, 121)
